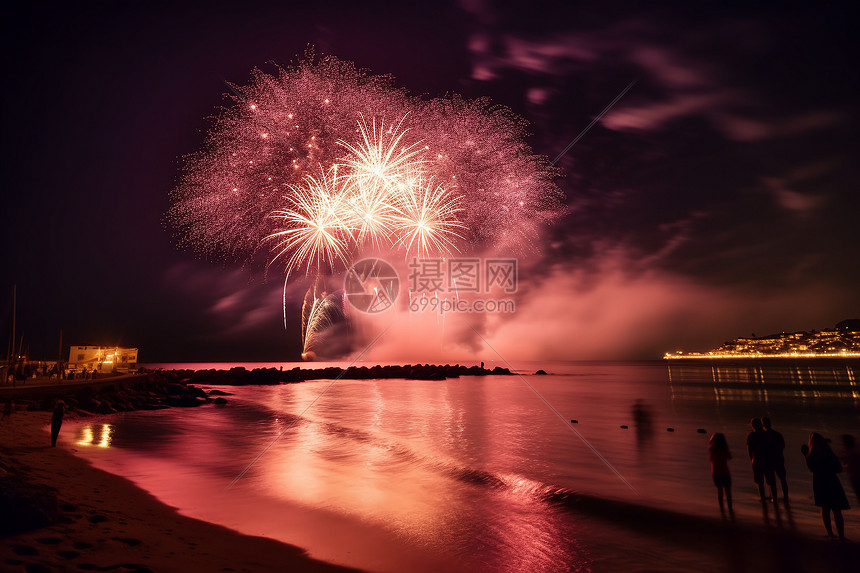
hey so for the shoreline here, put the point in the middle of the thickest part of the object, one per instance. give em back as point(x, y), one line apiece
point(107, 522)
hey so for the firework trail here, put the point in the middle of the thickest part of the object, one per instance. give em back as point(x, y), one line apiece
point(320, 311)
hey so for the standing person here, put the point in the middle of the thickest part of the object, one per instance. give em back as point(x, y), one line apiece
point(758, 448)
point(718, 451)
point(7, 410)
point(57, 421)
point(777, 455)
point(826, 487)
point(852, 463)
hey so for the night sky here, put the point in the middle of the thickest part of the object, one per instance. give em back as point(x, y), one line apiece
point(717, 198)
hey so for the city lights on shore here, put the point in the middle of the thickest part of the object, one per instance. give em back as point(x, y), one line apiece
point(840, 342)
point(746, 355)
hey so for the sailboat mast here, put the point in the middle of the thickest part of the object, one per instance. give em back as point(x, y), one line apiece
point(14, 311)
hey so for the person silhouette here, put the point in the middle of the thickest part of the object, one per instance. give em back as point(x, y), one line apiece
point(758, 449)
point(826, 487)
point(642, 420)
point(57, 421)
point(718, 452)
point(851, 460)
point(776, 453)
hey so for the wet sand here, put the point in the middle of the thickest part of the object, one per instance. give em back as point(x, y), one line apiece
point(107, 523)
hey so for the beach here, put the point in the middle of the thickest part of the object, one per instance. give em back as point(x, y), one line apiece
point(107, 523)
point(471, 474)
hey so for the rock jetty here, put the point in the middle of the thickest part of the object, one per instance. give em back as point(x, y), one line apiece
point(157, 389)
point(240, 376)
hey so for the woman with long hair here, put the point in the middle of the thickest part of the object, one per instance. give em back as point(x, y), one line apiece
point(826, 487)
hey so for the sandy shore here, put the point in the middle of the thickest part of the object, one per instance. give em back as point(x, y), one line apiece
point(107, 523)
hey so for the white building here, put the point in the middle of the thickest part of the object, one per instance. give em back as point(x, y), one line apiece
point(102, 358)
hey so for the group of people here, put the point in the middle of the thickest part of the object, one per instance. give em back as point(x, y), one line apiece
point(23, 371)
point(766, 447)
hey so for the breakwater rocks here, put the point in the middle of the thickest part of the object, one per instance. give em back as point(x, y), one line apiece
point(240, 376)
point(150, 391)
point(157, 389)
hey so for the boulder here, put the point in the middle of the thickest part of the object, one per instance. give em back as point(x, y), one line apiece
point(184, 401)
point(216, 392)
point(105, 408)
point(176, 390)
point(197, 392)
point(89, 405)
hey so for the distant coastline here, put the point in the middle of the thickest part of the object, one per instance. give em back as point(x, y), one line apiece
point(769, 357)
point(840, 342)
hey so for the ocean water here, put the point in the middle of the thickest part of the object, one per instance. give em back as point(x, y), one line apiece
point(484, 473)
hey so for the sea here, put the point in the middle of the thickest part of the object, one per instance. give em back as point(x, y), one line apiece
point(595, 466)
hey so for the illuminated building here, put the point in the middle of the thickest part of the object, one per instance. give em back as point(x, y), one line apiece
point(102, 358)
point(837, 342)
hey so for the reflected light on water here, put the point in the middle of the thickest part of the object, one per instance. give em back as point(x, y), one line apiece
point(87, 435)
point(741, 382)
point(476, 475)
point(319, 464)
point(398, 465)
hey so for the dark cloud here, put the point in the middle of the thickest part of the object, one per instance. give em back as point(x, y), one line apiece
point(726, 168)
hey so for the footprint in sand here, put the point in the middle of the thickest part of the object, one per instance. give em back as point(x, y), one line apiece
point(130, 541)
point(82, 545)
point(24, 550)
point(98, 518)
point(49, 540)
point(69, 554)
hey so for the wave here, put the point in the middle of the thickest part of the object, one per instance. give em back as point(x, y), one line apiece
point(627, 513)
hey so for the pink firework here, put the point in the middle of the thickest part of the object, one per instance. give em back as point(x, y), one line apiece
point(274, 157)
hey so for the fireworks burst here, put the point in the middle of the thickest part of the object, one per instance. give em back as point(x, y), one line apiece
point(379, 195)
point(325, 112)
point(316, 233)
point(379, 161)
point(426, 219)
point(324, 162)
